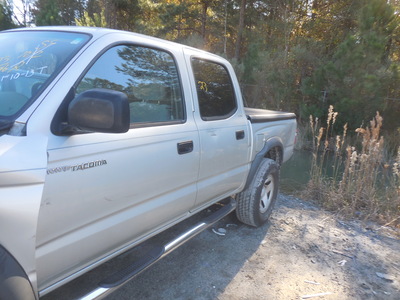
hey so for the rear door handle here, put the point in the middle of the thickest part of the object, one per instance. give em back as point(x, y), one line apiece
point(240, 134)
point(185, 147)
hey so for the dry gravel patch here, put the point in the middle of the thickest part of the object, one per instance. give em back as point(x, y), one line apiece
point(301, 253)
point(308, 253)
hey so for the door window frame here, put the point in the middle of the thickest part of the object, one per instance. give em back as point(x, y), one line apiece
point(219, 117)
point(61, 115)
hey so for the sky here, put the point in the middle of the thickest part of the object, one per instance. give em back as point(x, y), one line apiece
point(18, 9)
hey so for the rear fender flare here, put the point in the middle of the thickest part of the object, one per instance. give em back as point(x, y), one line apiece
point(273, 143)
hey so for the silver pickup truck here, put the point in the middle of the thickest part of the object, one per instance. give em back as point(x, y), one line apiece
point(108, 138)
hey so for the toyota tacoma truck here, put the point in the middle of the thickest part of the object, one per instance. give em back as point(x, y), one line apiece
point(108, 138)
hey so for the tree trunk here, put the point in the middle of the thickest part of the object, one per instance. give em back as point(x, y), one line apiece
point(204, 19)
point(314, 9)
point(240, 29)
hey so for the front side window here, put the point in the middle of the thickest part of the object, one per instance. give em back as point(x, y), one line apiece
point(148, 77)
point(28, 62)
point(215, 91)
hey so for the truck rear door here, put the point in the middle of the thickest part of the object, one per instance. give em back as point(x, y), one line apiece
point(223, 128)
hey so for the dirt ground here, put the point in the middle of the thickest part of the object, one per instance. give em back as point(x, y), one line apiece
point(302, 253)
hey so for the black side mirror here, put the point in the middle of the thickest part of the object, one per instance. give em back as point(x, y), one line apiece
point(100, 110)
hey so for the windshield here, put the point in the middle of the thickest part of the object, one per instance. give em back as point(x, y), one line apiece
point(28, 62)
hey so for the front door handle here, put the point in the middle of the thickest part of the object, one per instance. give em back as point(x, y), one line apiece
point(185, 147)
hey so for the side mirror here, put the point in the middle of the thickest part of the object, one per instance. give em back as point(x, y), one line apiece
point(100, 110)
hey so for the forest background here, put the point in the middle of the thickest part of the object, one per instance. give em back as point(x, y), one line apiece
point(305, 56)
point(294, 55)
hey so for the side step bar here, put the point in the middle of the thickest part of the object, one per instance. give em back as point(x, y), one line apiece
point(121, 277)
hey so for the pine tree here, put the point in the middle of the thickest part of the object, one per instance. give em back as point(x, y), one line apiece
point(6, 21)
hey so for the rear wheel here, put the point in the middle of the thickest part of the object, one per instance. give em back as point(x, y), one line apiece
point(255, 204)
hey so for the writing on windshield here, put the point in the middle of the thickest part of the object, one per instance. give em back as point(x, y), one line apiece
point(26, 65)
point(28, 62)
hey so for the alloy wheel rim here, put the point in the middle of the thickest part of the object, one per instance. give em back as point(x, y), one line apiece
point(267, 193)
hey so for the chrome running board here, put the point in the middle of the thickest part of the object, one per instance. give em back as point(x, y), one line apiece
point(118, 279)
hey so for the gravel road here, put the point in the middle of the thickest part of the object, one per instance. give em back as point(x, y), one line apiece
point(301, 253)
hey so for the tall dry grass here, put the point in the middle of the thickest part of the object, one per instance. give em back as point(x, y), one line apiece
point(355, 180)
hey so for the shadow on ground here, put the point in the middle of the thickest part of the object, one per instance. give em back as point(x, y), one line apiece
point(200, 269)
point(302, 251)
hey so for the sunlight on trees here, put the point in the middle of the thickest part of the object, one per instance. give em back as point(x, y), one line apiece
point(297, 55)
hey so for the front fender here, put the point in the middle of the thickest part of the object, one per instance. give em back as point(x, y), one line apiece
point(23, 163)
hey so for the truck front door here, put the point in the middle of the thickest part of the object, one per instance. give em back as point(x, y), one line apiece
point(105, 191)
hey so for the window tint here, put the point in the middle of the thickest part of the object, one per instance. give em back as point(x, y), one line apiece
point(214, 90)
point(149, 78)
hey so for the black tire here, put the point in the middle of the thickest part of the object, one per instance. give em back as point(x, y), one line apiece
point(255, 204)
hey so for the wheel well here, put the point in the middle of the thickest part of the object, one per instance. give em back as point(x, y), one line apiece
point(14, 283)
point(275, 154)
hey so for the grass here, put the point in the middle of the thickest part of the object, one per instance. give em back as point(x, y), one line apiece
point(358, 180)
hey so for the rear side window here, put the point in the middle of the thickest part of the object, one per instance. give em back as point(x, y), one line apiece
point(148, 77)
point(215, 91)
